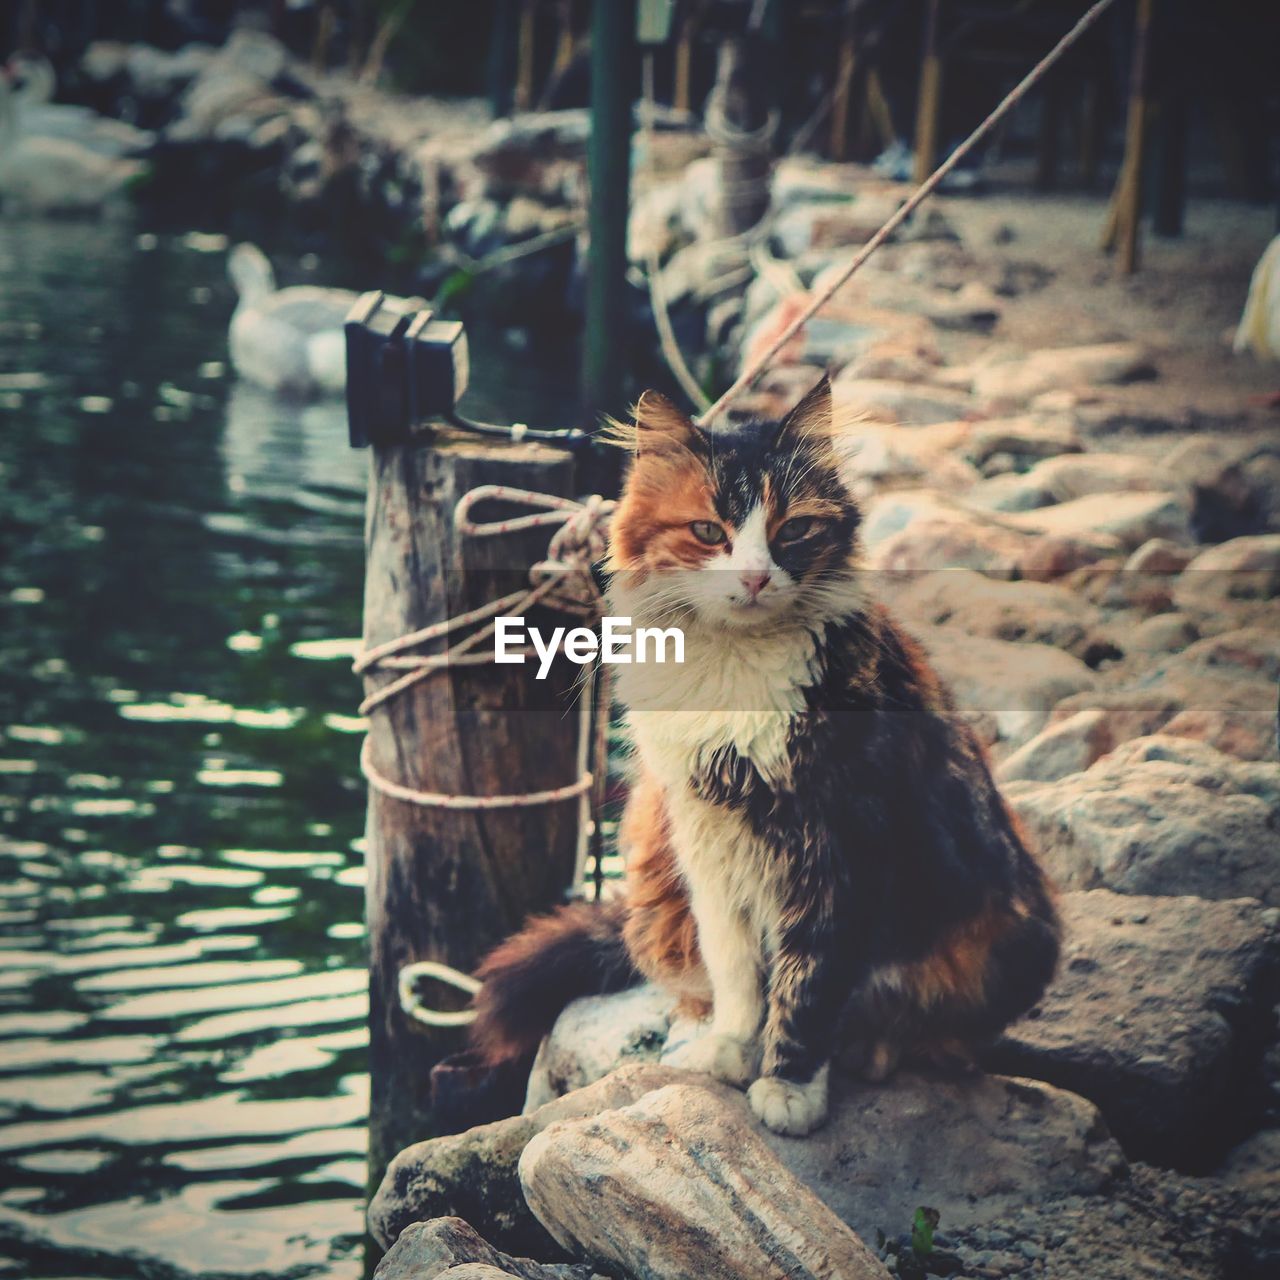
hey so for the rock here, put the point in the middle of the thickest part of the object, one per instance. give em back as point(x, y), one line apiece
point(1160, 815)
point(1232, 485)
point(680, 1183)
point(912, 530)
point(1024, 440)
point(1067, 747)
point(1254, 1166)
point(472, 1175)
point(1163, 633)
point(974, 1147)
point(884, 457)
point(1000, 610)
point(1015, 685)
point(1130, 518)
point(973, 308)
point(594, 1036)
point(1161, 556)
point(450, 1247)
point(902, 403)
point(1160, 1013)
point(1244, 569)
point(1016, 383)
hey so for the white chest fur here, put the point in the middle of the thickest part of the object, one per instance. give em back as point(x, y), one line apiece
point(731, 691)
point(740, 692)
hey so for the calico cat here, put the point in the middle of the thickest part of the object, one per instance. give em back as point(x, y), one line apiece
point(816, 852)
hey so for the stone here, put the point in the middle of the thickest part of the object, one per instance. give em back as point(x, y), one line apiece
point(1244, 569)
point(1025, 440)
point(594, 1036)
point(1066, 747)
point(1015, 685)
point(451, 1247)
point(1163, 633)
point(1131, 518)
point(973, 1146)
point(472, 1175)
point(1159, 555)
point(1160, 1013)
point(1232, 484)
point(1015, 383)
point(902, 403)
point(1160, 815)
point(1000, 610)
point(881, 457)
point(1254, 1166)
point(680, 1183)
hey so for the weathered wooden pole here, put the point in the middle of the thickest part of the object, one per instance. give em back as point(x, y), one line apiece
point(613, 66)
point(443, 884)
point(929, 100)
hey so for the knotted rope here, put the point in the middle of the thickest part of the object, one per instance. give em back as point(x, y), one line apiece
point(563, 581)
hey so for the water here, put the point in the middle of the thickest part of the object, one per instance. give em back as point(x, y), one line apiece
point(182, 991)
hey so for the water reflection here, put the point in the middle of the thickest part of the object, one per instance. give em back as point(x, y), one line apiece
point(182, 983)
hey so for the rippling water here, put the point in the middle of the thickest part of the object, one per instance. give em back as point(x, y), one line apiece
point(182, 992)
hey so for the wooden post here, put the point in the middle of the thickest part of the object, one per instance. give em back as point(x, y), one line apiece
point(447, 885)
point(682, 95)
point(1125, 214)
point(524, 57)
point(840, 103)
point(609, 164)
point(929, 102)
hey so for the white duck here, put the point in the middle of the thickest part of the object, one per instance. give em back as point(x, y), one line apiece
point(39, 116)
point(40, 174)
point(290, 340)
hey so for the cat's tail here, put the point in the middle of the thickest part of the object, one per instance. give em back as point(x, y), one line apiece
point(527, 980)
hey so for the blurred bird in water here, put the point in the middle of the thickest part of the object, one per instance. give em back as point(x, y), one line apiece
point(290, 340)
point(53, 173)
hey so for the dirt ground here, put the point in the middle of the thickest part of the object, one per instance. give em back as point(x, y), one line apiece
point(1183, 303)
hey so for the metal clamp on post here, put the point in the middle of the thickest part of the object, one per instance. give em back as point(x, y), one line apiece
point(406, 369)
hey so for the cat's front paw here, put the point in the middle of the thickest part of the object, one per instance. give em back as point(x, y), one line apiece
point(786, 1107)
point(727, 1058)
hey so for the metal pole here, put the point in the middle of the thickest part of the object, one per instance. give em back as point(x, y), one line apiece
point(609, 172)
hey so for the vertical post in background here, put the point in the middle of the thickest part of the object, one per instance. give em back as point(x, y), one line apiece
point(1135, 144)
point(613, 66)
point(929, 102)
point(502, 58)
point(443, 884)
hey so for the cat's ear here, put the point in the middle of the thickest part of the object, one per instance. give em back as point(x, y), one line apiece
point(813, 417)
point(660, 426)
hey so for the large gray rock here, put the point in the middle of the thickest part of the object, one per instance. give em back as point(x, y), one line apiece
point(1160, 1014)
point(973, 1147)
point(1012, 686)
point(596, 1035)
point(1021, 611)
point(681, 1184)
point(1160, 815)
point(1017, 382)
point(450, 1247)
point(472, 1175)
point(1130, 518)
point(1066, 747)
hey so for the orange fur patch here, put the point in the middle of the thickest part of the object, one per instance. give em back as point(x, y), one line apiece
point(660, 931)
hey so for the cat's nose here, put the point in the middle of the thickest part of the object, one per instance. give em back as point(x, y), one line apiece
point(755, 581)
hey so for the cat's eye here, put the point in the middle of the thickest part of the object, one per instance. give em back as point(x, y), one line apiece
point(707, 531)
point(794, 530)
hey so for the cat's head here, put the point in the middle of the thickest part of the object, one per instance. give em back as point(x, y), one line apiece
point(746, 524)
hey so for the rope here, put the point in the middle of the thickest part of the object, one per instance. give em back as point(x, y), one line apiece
point(753, 371)
point(562, 580)
point(443, 973)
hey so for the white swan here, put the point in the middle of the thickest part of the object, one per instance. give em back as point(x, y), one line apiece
point(50, 174)
point(290, 340)
point(38, 116)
